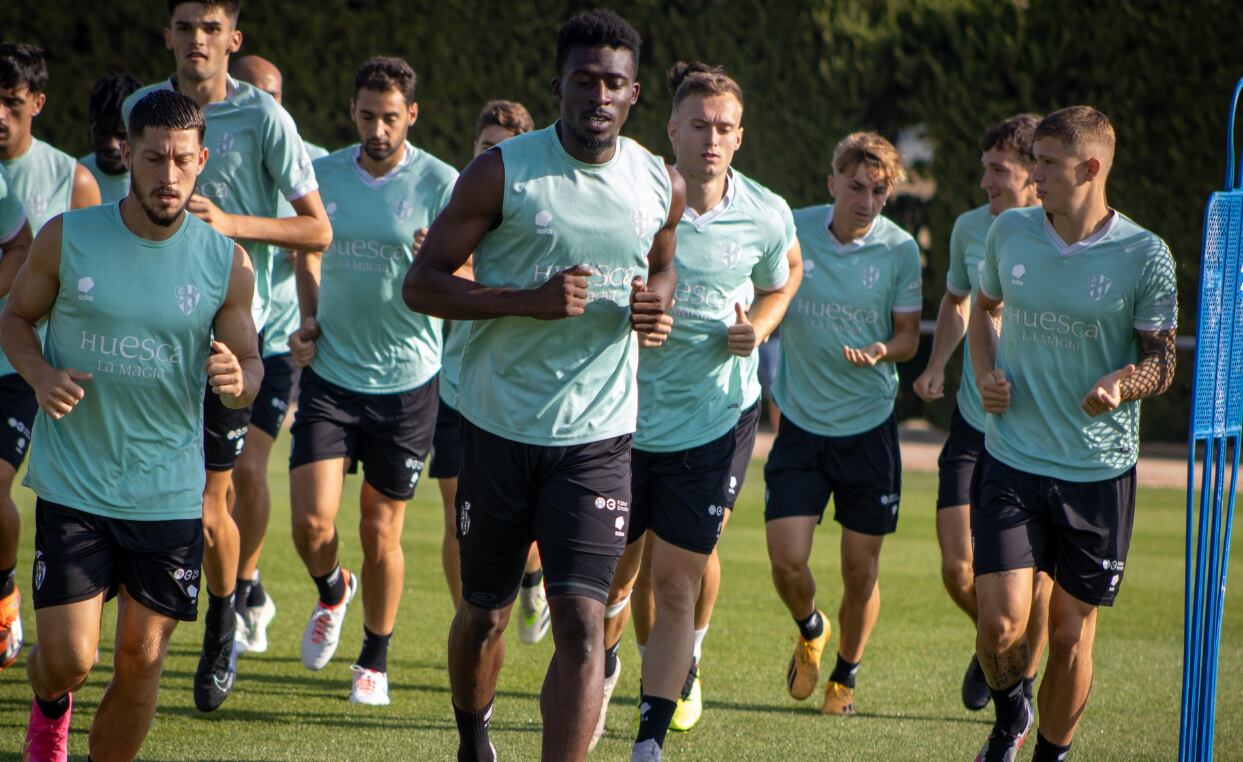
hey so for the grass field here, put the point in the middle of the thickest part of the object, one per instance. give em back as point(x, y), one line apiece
point(907, 696)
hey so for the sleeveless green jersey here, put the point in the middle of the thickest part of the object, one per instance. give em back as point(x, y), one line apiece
point(138, 316)
point(370, 342)
point(12, 213)
point(283, 316)
point(963, 279)
point(1069, 317)
point(571, 381)
point(691, 389)
point(111, 187)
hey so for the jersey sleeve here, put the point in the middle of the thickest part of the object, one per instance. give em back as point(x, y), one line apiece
point(12, 214)
point(772, 271)
point(990, 283)
point(909, 295)
point(446, 195)
point(957, 281)
point(285, 157)
point(1156, 301)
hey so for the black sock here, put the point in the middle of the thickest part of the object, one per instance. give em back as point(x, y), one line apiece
point(257, 596)
point(533, 579)
point(812, 627)
point(1047, 751)
point(1011, 707)
point(53, 710)
point(1029, 688)
point(8, 581)
point(375, 651)
point(844, 672)
point(610, 659)
point(220, 616)
point(472, 731)
point(331, 586)
point(241, 594)
point(655, 714)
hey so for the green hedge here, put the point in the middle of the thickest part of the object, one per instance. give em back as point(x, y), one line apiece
point(812, 72)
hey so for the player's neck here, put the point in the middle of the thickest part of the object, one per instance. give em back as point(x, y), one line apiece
point(138, 223)
point(579, 152)
point(204, 91)
point(703, 195)
point(1082, 220)
point(381, 167)
point(845, 234)
point(18, 149)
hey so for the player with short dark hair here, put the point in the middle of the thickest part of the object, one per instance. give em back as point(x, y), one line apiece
point(107, 130)
point(564, 223)
point(1087, 305)
point(146, 306)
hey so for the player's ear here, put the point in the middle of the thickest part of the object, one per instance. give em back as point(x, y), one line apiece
point(202, 159)
point(36, 103)
point(1092, 168)
point(556, 87)
point(832, 190)
point(414, 112)
point(738, 138)
point(168, 37)
point(672, 131)
point(127, 155)
point(235, 41)
point(634, 94)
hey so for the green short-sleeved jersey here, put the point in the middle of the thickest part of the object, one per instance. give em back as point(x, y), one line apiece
point(1070, 315)
point(111, 187)
point(12, 213)
point(963, 279)
point(283, 305)
point(847, 299)
point(691, 389)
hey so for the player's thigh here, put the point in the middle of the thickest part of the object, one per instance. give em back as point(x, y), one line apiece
point(252, 464)
point(954, 534)
point(790, 540)
point(76, 560)
point(956, 463)
point(795, 483)
point(395, 438)
point(1008, 519)
point(676, 574)
point(865, 471)
point(142, 636)
point(1004, 598)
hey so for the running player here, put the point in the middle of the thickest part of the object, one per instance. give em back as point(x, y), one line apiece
point(369, 391)
point(1007, 161)
point(133, 293)
point(254, 156)
point(738, 266)
point(1090, 305)
point(107, 134)
point(252, 501)
point(564, 222)
point(856, 315)
point(499, 120)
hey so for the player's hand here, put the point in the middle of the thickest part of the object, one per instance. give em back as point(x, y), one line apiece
point(202, 207)
point(1106, 395)
point(420, 236)
point(994, 391)
point(740, 336)
point(646, 307)
point(865, 357)
point(59, 391)
point(302, 342)
point(224, 372)
point(657, 335)
point(561, 296)
point(930, 385)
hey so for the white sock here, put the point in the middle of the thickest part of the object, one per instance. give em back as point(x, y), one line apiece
point(699, 642)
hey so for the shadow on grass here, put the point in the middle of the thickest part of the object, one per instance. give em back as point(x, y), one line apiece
point(812, 711)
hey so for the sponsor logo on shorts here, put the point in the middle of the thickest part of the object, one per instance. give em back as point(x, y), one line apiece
point(612, 504)
point(84, 289)
point(716, 510)
point(186, 574)
point(188, 297)
point(1113, 582)
point(463, 519)
point(22, 440)
point(733, 485)
point(40, 570)
point(1113, 565)
point(416, 469)
point(619, 526)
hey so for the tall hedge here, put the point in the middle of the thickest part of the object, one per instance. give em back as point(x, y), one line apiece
point(812, 72)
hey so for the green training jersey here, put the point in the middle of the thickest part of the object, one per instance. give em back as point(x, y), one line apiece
point(847, 299)
point(283, 317)
point(963, 279)
point(12, 213)
point(111, 187)
point(370, 342)
point(1070, 315)
point(691, 389)
point(571, 381)
point(138, 316)
point(455, 335)
point(254, 156)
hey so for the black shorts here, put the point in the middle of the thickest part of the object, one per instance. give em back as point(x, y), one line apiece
point(1078, 532)
point(681, 495)
point(957, 462)
point(17, 410)
point(862, 472)
point(280, 373)
point(744, 447)
point(224, 432)
point(390, 434)
point(446, 444)
point(80, 554)
point(573, 500)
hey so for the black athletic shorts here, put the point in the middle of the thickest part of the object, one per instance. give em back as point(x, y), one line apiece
point(224, 432)
point(446, 444)
point(17, 410)
point(390, 434)
point(957, 462)
point(744, 447)
point(280, 373)
point(1077, 532)
point(573, 500)
point(80, 554)
point(681, 495)
point(862, 472)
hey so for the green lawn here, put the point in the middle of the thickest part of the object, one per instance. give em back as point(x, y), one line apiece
point(907, 695)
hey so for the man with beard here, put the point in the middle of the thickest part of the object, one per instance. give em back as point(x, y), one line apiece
point(254, 157)
point(108, 134)
point(146, 305)
point(564, 223)
point(369, 388)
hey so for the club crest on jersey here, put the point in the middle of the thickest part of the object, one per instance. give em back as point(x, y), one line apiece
point(403, 209)
point(188, 297)
point(1098, 286)
point(36, 205)
point(641, 222)
point(870, 276)
point(224, 142)
point(732, 255)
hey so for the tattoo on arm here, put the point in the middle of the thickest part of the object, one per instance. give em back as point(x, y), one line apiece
point(1155, 371)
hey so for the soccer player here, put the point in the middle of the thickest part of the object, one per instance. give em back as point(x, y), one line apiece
point(146, 305)
point(369, 391)
point(738, 266)
point(252, 501)
point(564, 223)
point(1006, 156)
point(254, 156)
point(107, 130)
point(1087, 305)
point(498, 121)
point(856, 314)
